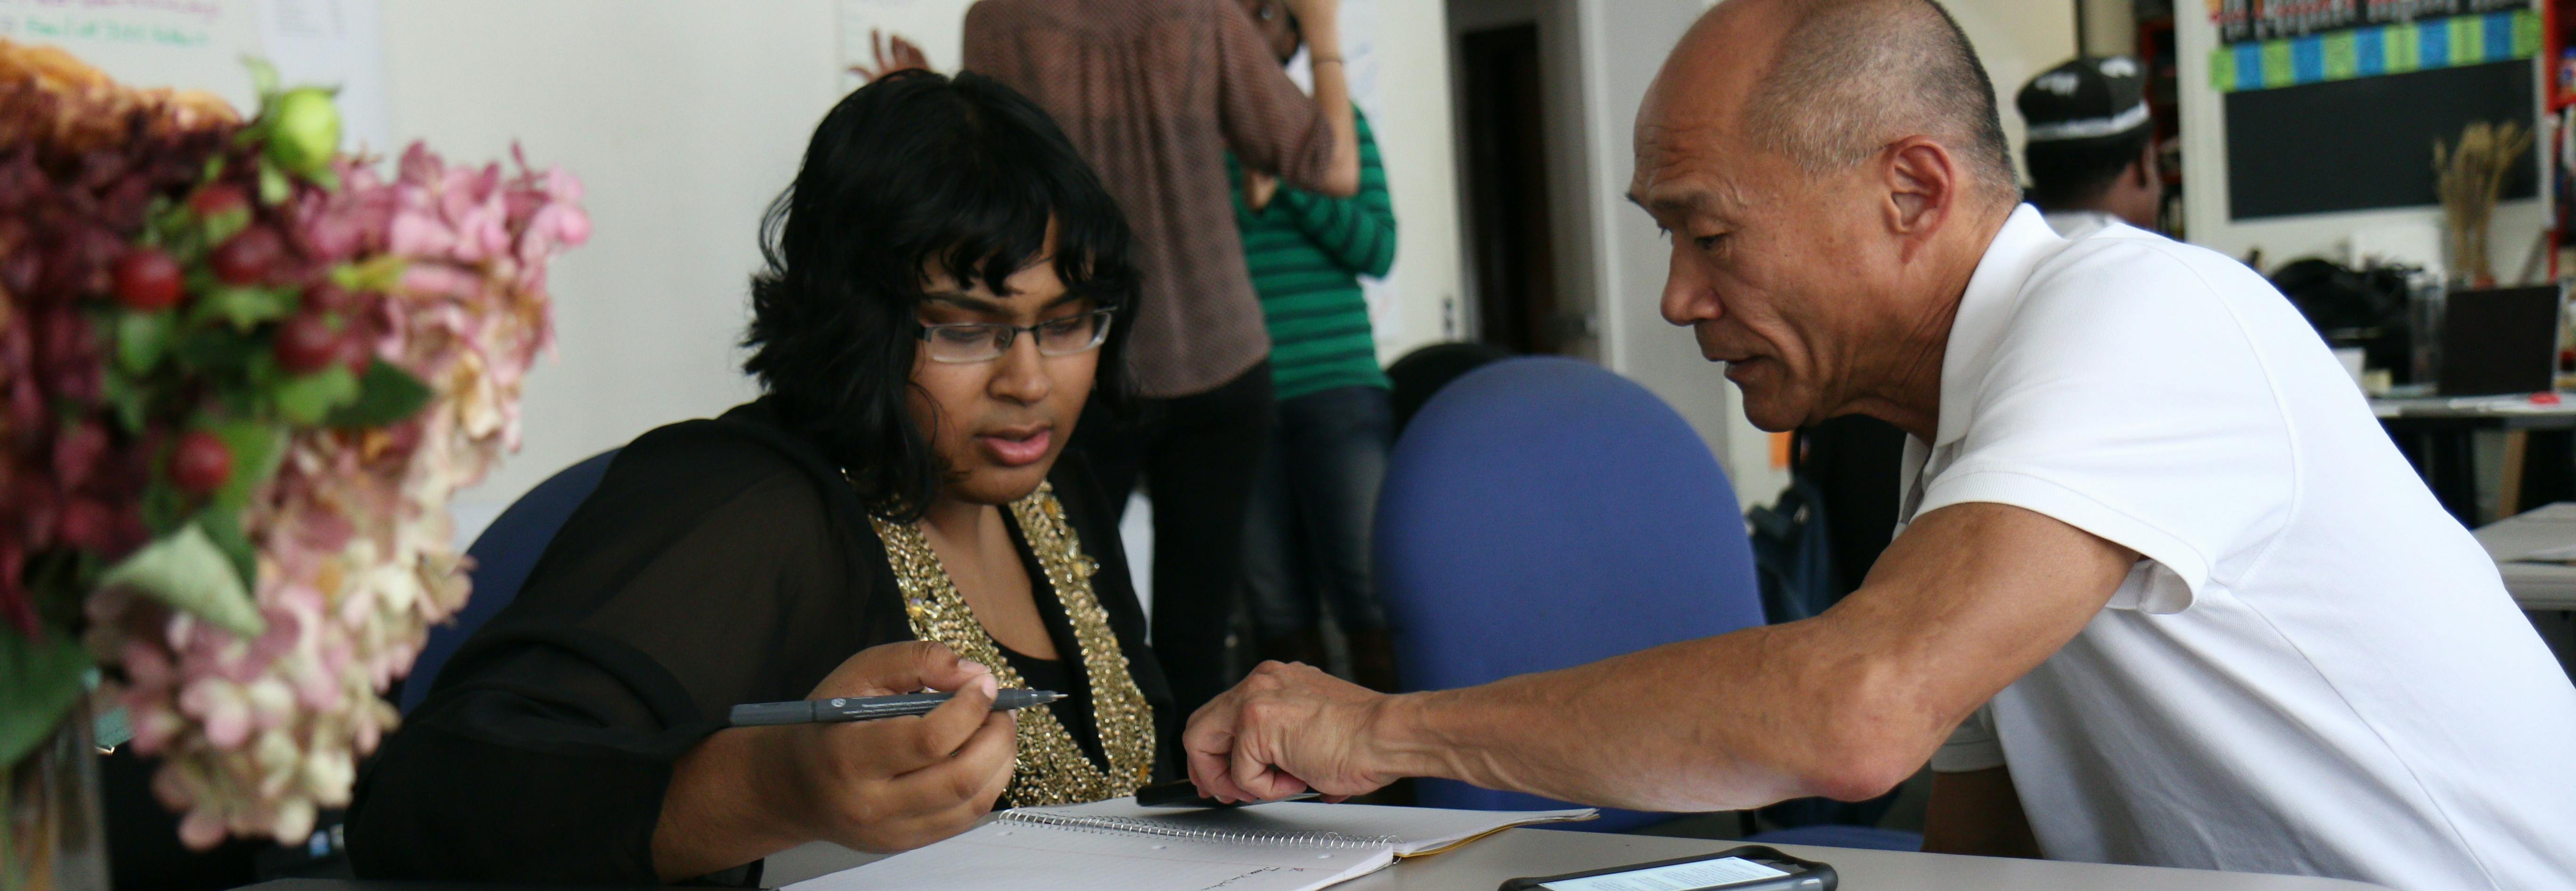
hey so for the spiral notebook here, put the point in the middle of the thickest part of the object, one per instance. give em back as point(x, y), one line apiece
point(1287, 846)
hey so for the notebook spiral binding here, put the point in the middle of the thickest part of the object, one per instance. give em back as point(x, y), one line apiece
point(1132, 826)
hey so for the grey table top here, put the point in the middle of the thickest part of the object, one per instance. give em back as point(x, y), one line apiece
point(1540, 852)
point(2536, 586)
point(2509, 411)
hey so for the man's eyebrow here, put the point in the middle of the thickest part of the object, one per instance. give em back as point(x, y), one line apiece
point(1684, 201)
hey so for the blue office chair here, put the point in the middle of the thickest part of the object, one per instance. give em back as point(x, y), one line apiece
point(1541, 513)
point(502, 556)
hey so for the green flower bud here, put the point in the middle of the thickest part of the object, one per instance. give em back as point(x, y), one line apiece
point(306, 132)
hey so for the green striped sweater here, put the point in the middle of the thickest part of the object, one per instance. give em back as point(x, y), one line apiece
point(1305, 252)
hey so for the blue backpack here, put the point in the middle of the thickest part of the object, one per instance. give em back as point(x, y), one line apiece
point(1794, 558)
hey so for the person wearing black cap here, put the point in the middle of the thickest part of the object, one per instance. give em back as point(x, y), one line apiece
point(2091, 146)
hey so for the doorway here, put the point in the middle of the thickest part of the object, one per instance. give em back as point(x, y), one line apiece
point(1512, 279)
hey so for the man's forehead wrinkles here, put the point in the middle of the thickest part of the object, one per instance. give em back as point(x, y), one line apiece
point(1668, 132)
point(1695, 194)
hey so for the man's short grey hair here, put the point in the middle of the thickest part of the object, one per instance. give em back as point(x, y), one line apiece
point(1853, 76)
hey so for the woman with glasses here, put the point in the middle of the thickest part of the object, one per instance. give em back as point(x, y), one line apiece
point(946, 287)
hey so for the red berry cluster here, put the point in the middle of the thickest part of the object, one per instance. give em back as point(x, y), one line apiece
point(71, 484)
point(104, 440)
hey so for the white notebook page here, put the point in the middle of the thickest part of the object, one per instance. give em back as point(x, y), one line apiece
point(1017, 854)
point(1014, 856)
point(1416, 830)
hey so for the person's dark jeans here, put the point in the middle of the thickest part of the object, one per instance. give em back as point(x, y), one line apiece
point(1307, 542)
point(1197, 455)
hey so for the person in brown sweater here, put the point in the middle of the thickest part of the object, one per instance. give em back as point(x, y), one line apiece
point(1153, 93)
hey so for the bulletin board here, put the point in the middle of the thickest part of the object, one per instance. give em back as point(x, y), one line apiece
point(2380, 132)
point(2369, 92)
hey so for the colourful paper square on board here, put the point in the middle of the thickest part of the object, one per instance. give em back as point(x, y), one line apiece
point(2342, 63)
point(2249, 66)
point(2276, 64)
point(2222, 70)
point(2403, 40)
point(2499, 37)
point(2433, 45)
point(2370, 51)
point(2307, 60)
point(2526, 34)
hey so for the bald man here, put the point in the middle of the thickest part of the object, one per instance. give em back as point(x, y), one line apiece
point(2203, 612)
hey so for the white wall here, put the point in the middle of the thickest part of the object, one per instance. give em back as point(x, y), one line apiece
point(683, 120)
point(2411, 234)
point(1415, 143)
point(685, 117)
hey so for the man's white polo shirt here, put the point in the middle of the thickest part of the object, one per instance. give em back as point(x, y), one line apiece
point(2314, 669)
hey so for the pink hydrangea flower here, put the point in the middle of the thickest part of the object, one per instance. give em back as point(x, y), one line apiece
point(355, 555)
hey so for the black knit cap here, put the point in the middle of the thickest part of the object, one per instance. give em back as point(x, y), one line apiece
point(2094, 97)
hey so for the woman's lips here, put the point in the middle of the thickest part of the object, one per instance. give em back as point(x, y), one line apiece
point(1017, 449)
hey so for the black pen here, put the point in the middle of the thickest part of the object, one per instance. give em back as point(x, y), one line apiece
point(869, 708)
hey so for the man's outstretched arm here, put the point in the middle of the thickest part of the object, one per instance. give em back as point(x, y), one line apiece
point(1846, 704)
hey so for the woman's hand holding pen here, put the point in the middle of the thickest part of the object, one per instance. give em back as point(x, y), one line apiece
point(898, 783)
point(881, 786)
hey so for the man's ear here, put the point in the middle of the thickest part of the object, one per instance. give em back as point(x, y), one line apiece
point(2142, 169)
point(1924, 184)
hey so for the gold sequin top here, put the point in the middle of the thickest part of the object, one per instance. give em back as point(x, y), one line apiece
point(1050, 768)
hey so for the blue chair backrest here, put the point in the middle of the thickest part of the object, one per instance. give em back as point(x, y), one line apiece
point(1541, 513)
point(501, 557)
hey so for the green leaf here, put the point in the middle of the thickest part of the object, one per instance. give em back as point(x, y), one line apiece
point(217, 351)
point(189, 571)
point(44, 682)
point(223, 527)
point(164, 506)
point(309, 398)
point(380, 273)
point(132, 403)
point(142, 338)
point(387, 395)
point(161, 220)
point(245, 306)
point(256, 446)
point(263, 77)
point(273, 184)
point(222, 227)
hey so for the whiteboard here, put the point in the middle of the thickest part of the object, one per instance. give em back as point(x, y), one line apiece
point(200, 44)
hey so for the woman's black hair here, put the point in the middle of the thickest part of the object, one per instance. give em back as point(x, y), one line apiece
point(917, 171)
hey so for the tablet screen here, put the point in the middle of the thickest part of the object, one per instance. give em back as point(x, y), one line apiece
point(1676, 877)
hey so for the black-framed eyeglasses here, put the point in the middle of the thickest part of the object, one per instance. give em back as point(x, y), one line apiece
point(968, 342)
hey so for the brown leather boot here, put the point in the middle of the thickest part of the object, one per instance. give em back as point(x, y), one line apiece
point(1373, 660)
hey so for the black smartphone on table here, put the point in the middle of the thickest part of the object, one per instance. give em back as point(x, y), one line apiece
point(1746, 868)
